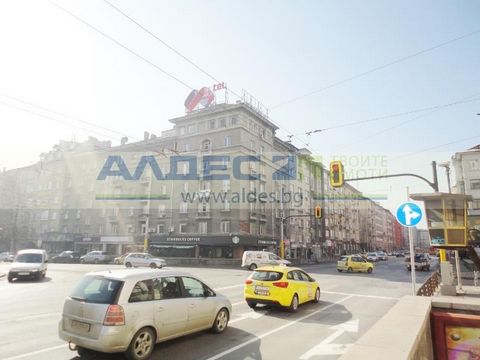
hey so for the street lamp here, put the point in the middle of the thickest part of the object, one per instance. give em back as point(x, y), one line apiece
point(446, 165)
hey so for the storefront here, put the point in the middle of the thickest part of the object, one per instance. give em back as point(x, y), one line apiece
point(115, 245)
point(55, 243)
point(208, 246)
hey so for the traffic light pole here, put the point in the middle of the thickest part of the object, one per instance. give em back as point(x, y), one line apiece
point(433, 185)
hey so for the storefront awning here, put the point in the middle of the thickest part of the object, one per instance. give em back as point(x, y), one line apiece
point(173, 246)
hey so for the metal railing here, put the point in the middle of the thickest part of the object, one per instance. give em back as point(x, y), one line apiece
point(429, 287)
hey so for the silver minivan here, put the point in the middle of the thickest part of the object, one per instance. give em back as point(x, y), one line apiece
point(131, 310)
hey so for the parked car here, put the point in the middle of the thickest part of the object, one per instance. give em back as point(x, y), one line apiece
point(29, 263)
point(372, 256)
point(66, 257)
point(130, 310)
point(280, 285)
point(382, 256)
point(350, 263)
point(96, 257)
point(254, 259)
point(143, 260)
point(119, 260)
point(6, 256)
point(422, 262)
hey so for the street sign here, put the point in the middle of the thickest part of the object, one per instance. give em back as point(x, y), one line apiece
point(409, 214)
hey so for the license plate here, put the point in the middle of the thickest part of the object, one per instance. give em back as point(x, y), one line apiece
point(262, 290)
point(80, 326)
point(23, 273)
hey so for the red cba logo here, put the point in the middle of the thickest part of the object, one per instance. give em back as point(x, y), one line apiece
point(204, 97)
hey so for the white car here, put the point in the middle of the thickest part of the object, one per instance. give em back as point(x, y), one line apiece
point(130, 310)
point(30, 263)
point(372, 256)
point(143, 260)
point(255, 259)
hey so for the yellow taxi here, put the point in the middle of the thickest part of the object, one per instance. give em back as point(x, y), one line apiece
point(280, 285)
point(350, 263)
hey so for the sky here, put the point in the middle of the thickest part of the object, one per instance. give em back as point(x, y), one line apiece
point(314, 64)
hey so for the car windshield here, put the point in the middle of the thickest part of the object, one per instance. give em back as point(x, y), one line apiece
point(266, 275)
point(28, 258)
point(93, 289)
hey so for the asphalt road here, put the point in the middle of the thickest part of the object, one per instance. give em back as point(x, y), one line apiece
point(350, 304)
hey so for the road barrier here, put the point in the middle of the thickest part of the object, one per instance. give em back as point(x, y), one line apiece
point(429, 288)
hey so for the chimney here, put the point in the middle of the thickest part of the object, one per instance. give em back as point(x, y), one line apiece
point(123, 140)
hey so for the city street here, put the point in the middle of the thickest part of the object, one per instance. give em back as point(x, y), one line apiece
point(350, 304)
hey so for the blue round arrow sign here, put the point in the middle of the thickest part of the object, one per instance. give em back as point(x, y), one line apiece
point(409, 214)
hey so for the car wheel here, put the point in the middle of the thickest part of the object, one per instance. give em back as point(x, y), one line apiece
point(10, 279)
point(221, 321)
point(38, 277)
point(428, 268)
point(252, 266)
point(252, 304)
point(370, 270)
point(153, 265)
point(95, 261)
point(294, 304)
point(142, 345)
point(349, 270)
point(339, 270)
point(128, 265)
point(317, 296)
point(82, 261)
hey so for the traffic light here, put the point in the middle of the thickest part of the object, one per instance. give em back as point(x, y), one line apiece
point(318, 212)
point(336, 174)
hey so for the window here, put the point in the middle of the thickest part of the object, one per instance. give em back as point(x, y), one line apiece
point(66, 215)
point(193, 287)
point(474, 165)
point(161, 210)
point(79, 214)
point(183, 208)
point(130, 229)
point(142, 291)
point(97, 290)
point(261, 229)
point(225, 227)
point(191, 129)
point(226, 185)
point(226, 205)
point(185, 187)
point(169, 288)
point(223, 122)
point(187, 147)
point(161, 228)
point(234, 120)
point(475, 184)
point(211, 124)
point(202, 227)
point(114, 228)
point(182, 228)
point(181, 131)
point(227, 141)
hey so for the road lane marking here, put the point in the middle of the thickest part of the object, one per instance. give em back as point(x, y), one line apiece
point(238, 303)
point(31, 317)
point(273, 331)
point(361, 295)
point(326, 347)
point(247, 315)
point(37, 352)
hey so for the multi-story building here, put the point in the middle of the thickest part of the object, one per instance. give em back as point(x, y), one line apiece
point(216, 184)
point(467, 176)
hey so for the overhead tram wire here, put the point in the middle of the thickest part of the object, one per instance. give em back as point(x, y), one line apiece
point(408, 121)
point(290, 134)
point(56, 120)
point(381, 67)
point(121, 45)
point(437, 107)
point(162, 41)
point(66, 116)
